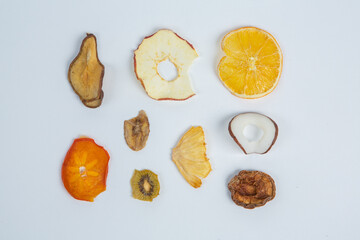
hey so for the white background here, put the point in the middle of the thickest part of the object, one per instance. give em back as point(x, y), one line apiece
point(315, 161)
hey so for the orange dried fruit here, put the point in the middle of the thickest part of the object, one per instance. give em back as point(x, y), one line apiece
point(189, 155)
point(161, 46)
point(136, 131)
point(253, 62)
point(251, 189)
point(85, 169)
point(86, 73)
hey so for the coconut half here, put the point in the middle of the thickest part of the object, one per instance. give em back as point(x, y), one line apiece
point(253, 132)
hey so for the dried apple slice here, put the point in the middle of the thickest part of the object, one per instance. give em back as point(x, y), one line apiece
point(86, 73)
point(161, 46)
point(136, 131)
point(264, 127)
point(85, 169)
point(189, 155)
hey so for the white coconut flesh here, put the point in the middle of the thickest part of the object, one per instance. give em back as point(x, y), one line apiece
point(254, 132)
point(165, 45)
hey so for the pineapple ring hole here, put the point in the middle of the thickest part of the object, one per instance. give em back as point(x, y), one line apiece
point(167, 70)
point(253, 133)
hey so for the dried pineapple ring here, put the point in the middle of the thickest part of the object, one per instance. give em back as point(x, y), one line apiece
point(163, 45)
point(189, 155)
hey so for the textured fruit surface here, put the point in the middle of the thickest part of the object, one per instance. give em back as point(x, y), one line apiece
point(161, 46)
point(145, 185)
point(189, 155)
point(136, 131)
point(253, 62)
point(251, 189)
point(86, 73)
point(85, 168)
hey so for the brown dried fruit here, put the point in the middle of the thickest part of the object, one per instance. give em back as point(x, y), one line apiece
point(136, 131)
point(252, 189)
point(86, 73)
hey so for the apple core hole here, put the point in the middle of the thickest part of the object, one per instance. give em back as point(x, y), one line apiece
point(167, 70)
point(252, 133)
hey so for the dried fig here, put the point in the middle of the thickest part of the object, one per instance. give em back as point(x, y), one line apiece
point(251, 189)
point(136, 131)
point(86, 73)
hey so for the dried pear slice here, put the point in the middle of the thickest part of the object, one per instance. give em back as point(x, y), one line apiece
point(94, 103)
point(189, 155)
point(86, 73)
point(136, 131)
point(145, 185)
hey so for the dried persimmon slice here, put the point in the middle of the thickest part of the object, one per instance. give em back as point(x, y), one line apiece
point(85, 168)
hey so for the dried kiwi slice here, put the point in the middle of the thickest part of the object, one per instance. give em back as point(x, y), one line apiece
point(145, 185)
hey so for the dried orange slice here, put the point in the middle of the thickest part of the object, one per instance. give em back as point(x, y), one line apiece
point(253, 62)
point(85, 168)
point(189, 155)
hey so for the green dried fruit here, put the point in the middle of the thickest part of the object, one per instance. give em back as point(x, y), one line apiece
point(145, 185)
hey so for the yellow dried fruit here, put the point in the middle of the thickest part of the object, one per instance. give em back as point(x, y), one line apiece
point(86, 73)
point(253, 62)
point(136, 131)
point(189, 155)
point(145, 185)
